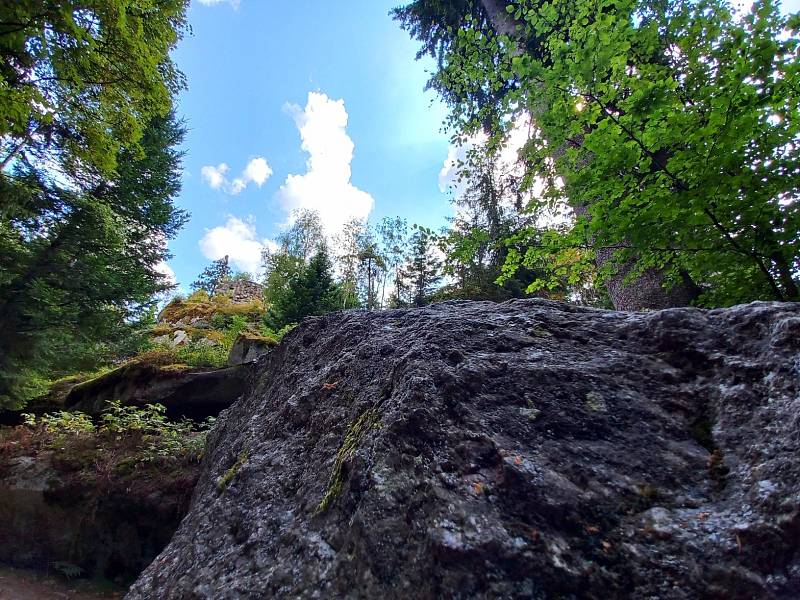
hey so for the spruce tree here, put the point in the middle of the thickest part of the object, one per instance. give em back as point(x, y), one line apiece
point(310, 292)
point(423, 270)
point(78, 266)
point(214, 274)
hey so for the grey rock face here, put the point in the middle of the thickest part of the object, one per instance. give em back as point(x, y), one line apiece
point(240, 290)
point(249, 347)
point(519, 450)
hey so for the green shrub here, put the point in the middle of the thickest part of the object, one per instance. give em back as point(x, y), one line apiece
point(153, 434)
point(268, 332)
point(202, 355)
point(62, 422)
point(198, 296)
point(238, 324)
point(220, 321)
point(162, 438)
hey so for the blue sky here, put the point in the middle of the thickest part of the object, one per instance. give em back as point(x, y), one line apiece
point(270, 87)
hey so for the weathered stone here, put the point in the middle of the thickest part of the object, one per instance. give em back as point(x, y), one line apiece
point(249, 347)
point(186, 392)
point(239, 290)
point(519, 450)
point(179, 338)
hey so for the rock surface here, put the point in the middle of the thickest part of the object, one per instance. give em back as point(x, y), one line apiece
point(240, 290)
point(186, 392)
point(248, 347)
point(519, 450)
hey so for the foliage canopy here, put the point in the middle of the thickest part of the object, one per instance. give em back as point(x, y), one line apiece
point(670, 128)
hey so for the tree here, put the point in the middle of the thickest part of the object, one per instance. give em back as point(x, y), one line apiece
point(668, 127)
point(81, 79)
point(371, 267)
point(280, 268)
point(79, 266)
point(422, 271)
point(305, 237)
point(296, 246)
point(310, 292)
point(488, 211)
point(214, 274)
point(349, 245)
point(393, 236)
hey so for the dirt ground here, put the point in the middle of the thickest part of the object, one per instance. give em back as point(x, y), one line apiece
point(20, 584)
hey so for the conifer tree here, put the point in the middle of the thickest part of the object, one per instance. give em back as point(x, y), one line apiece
point(79, 266)
point(214, 274)
point(422, 272)
point(312, 291)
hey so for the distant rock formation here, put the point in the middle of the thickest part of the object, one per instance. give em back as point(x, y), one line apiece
point(241, 290)
point(520, 450)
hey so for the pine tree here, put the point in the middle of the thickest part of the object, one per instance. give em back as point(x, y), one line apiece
point(78, 266)
point(214, 274)
point(422, 272)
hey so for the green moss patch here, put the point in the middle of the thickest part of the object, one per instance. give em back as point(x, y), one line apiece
point(352, 439)
point(228, 475)
point(256, 337)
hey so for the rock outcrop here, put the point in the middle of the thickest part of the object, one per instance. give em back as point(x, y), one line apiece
point(519, 450)
point(184, 391)
point(241, 290)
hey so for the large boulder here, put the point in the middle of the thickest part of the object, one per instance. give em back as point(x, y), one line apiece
point(186, 392)
point(520, 450)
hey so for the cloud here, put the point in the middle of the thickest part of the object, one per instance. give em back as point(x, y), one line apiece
point(325, 186)
point(214, 176)
point(169, 275)
point(508, 160)
point(257, 171)
point(448, 176)
point(238, 240)
point(233, 3)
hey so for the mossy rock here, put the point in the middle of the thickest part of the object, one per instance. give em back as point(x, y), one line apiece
point(182, 310)
point(185, 391)
point(249, 346)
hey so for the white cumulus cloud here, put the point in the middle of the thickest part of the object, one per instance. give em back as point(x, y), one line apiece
point(325, 186)
point(238, 240)
point(214, 176)
point(257, 171)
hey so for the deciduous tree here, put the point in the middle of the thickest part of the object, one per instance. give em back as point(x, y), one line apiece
point(670, 128)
